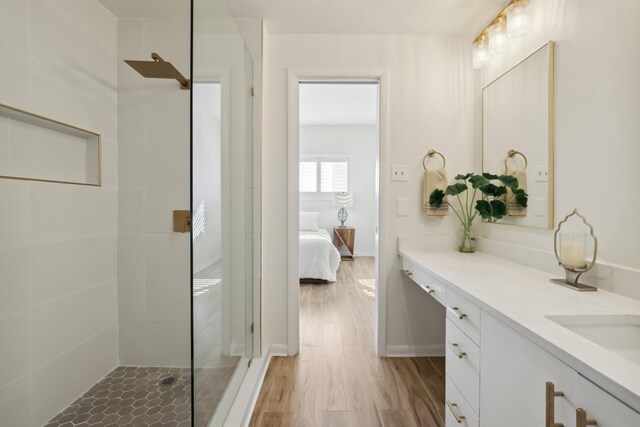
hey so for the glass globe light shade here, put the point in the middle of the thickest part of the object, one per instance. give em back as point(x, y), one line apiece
point(518, 20)
point(498, 40)
point(481, 54)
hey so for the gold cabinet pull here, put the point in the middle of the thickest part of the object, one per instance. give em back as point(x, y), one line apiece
point(456, 349)
point(456, 312)
point(582, 420)
point(550, 415)
point(453, 407)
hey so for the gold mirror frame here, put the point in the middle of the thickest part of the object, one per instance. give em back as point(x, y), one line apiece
point(550, 131)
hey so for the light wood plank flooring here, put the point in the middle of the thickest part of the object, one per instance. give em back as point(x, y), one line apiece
point(337, 380)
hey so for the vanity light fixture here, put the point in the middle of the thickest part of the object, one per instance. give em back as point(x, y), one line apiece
point(572, 255)
point(498, 40)
point(481, 53)
point(518, 21)
point(512, 21)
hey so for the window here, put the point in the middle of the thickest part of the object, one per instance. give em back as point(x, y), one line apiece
point(324, 175)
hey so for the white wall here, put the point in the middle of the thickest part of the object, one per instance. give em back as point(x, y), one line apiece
point(58, 278)
point(431, 106)
point(597, 63)
point(153, 172)
point(360, 143)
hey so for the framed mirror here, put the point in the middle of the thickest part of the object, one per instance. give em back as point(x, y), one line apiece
point(517, 135)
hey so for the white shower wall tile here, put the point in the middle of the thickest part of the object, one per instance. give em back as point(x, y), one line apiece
point(60, 268)
point(14, 280)
point(167, 344)
point(54, 331)
point(56, 384)
point(167, 299)
point(131, 255)
point(14, 398)
point(131, 343)
point(167, 35)
point(131, 36)
point(15, 224)
point(131, 208)
point(63, 212)
point(167, 166)
point(57, 239)
point(169, 118)
point(131, 296)
point(167, 255)
point(131, 165)
point(14, 83)
point(130, 121)
point(14, 353)
point(14, 22)
point(109, 164)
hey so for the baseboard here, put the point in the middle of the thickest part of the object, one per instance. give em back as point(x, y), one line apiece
point(247, 397)
point(279, 350)
point(431, 350)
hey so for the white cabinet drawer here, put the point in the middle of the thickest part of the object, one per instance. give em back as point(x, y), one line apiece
point(602, 407)
point(464, 314)
point(463, 364)
point(425, 280)
point(430, 284)
point(458, 412)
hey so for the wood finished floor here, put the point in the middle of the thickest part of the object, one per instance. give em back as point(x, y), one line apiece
point(337, 380)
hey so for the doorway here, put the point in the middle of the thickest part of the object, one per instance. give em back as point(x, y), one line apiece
point(335, 157)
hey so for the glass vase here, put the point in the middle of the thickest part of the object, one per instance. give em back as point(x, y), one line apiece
point(467, 243)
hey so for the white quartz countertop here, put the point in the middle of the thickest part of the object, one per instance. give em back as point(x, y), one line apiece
point(522, 297)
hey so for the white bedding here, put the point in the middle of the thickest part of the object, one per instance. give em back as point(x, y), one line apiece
point(319, 259)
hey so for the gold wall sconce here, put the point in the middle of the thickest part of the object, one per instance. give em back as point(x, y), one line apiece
point(512, 21)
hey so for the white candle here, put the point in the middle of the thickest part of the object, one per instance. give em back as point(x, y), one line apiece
point(573, 254)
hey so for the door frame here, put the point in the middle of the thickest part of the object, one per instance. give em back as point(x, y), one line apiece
point(294, 78)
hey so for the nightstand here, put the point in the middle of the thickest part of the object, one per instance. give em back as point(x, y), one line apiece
point(344, 236)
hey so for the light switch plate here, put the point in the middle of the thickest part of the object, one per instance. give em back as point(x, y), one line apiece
point(542, 173)
point(402, 207)
point(399, 173)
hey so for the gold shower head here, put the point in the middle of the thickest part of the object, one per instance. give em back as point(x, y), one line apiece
point(159, 69)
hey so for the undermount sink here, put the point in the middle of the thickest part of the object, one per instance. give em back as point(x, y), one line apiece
point(617, 333)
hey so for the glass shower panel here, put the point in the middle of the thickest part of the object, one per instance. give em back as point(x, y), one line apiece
point(222, 212)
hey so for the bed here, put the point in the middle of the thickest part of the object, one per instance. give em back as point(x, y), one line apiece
point(318, 259)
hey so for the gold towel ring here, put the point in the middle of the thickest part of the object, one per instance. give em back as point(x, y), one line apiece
point(432, 153)
point(512, 153)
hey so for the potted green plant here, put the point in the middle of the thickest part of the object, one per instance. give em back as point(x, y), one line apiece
point(494, 192)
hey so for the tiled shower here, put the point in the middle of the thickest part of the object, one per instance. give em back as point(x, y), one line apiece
point(98, 298)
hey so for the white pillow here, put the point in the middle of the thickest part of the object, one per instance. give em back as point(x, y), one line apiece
point(309, 221)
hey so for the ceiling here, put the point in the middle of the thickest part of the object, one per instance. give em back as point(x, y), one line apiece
point(370, 16)
point(338, 104)
point(465, 17)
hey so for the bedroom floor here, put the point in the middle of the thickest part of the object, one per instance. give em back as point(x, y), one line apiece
point(337, 380)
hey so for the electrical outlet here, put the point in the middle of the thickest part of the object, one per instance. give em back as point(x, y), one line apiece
point(399, 173)
point(542, 173)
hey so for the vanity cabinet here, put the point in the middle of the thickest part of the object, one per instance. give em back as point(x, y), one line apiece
point(598, 405)
point(497, 377)
point(513, 385)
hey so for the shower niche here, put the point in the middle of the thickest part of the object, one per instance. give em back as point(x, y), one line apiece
point(36, 148)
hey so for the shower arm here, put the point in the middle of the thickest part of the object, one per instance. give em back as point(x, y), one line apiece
point(184, 82)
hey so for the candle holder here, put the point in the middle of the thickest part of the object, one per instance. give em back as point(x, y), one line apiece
point(573, 253)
